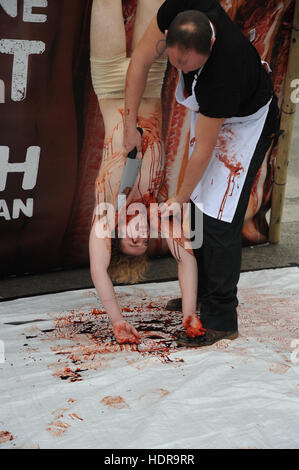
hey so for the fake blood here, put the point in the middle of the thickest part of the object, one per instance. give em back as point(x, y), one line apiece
point(232, 164)
point(193, 326)
point(84, 340)
point(5, 436)
point(115, 402)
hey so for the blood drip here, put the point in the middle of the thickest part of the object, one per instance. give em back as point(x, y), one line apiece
point(231, 163)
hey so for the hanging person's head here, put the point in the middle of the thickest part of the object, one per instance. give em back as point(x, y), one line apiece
point(129, 259)
point(189, 40)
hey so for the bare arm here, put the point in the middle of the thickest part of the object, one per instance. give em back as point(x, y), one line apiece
point(187, 265)
point(187, 274)
point(150, 47)
point(99, 252)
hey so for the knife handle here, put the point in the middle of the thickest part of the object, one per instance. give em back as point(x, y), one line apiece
point(133, 152)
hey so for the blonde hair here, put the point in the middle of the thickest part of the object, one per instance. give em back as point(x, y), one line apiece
point(126, 269)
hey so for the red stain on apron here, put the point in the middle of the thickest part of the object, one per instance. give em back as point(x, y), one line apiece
point(231, 163)
point(236, 143)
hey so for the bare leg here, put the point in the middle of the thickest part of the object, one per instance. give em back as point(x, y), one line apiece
point(107, 27)
point(107, 40)
point(149, 118)
point(107, 31)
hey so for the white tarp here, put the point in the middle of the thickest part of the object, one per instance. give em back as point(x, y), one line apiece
point(65, 383)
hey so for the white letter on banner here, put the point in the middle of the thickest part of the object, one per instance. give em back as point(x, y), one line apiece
point(4, 212)
point(18, 206)
point(20, 49)
point(2, 92)
point(10, 7)
point(29, 167)
point(30, 17)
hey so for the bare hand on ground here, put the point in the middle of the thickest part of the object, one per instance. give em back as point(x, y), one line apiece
point(125, 333)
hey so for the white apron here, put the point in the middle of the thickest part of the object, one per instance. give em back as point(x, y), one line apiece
point(219, 189)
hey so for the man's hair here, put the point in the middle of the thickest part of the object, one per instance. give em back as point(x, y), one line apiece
point(190, 29)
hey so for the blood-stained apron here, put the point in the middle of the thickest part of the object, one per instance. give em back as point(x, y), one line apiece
point(218, 192)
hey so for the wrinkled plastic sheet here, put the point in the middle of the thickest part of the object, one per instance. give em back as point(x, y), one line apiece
point(66, 383)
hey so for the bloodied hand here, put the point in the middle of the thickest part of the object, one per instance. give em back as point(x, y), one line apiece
point(193, 326)
point(124, 332)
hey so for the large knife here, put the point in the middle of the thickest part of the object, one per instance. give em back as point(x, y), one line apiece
point(129, 175)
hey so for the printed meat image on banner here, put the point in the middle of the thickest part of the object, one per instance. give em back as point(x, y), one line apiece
point(52, 131)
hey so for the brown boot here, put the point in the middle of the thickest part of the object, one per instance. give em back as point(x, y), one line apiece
point(210, 337)
point(176, 305)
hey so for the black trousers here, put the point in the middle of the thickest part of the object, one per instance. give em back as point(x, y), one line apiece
point(219, 257)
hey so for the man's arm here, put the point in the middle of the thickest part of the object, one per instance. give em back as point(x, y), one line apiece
point(206, 134)
point(150, 47)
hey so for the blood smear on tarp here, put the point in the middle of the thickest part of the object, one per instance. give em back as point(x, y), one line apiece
point(90, 340)
point(5, 436)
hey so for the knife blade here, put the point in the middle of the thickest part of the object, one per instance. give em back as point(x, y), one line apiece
point(129, 175)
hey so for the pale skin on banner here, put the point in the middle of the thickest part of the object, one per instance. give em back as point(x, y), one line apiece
point(108, 39)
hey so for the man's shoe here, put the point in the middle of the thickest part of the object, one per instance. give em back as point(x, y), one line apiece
point(210, 337)
point(176, 304)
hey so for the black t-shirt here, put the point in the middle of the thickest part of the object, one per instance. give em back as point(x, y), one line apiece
point(233, 82)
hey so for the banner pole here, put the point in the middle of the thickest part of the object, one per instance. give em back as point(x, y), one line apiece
point(286, 125)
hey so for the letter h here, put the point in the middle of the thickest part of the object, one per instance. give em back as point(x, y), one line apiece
point(29, 167)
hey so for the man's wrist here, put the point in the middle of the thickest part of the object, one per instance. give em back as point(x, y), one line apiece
point(130, 123)
point(182, 198)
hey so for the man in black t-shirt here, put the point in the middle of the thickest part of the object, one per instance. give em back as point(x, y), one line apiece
point(234, 81)
point(230, 94)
